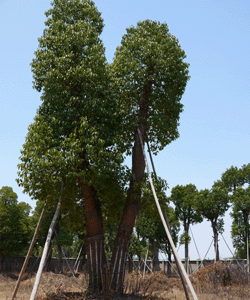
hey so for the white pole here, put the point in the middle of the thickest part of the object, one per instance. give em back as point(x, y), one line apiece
point(165, 226)
point(46, 247)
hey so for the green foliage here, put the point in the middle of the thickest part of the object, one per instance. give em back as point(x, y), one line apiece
point(233, 178)
point(149, 225)
point(183, 197)
point(76, 132)
point(14, 223)
point(213, 204)
point(240, 215)
point(149, 66)
point(137, 247)
point(185, 238)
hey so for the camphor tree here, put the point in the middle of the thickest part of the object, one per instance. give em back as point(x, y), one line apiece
point(14, 224)
point(74, 136)
point(183, 198)
point(213, 204)
point(240, 226)
point(237, 181)
point(87, 119)
point(150, 76)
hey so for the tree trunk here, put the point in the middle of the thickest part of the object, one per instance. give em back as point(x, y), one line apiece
point(155, 260)
point(169, 265)
point(186, 228)
point(130, 264)
point(216, 245)
point(59, 249)
point(48, 266)
point(1, 262)
point(132, 206)
point(94, 240)
point(130, 213)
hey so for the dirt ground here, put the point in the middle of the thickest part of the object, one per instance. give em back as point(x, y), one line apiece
point(216, 282)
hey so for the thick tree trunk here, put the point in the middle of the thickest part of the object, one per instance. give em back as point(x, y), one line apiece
point(94, 237)
point(132, 206)
point(216, 245)
point(155, 260)
point(130, 213)
point(1, 262)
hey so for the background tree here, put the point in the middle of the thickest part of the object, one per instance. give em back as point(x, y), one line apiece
point(213, 204)
point(237, 181)
point(240, 226)
point(183, 198)
point(149, 77)
point(148, 225)
point(233, 178)
point(14, 224)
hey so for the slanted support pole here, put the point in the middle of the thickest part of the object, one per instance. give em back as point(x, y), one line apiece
point(176, 261)
point(46, 246)
point(29, 252)
point(165, 225)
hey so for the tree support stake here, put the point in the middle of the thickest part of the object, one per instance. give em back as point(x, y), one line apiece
point(46, 247)
point(29, 252)
point(165, 225)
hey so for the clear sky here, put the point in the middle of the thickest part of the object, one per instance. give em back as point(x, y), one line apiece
point(214, 127)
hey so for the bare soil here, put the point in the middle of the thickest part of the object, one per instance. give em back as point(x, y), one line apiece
point(215, 282)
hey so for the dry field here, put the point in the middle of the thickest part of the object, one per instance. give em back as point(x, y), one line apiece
point(215, 282)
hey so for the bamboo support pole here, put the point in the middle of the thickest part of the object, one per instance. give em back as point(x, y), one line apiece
point(29, 252)
point(165, 226)
point(46, 247)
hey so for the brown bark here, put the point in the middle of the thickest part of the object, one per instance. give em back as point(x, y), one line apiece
point(155, 260)
point(169, 264)
point(1, 262)
point(94, 236)
point(216, 246)
point(186, 228)
point(132, 206)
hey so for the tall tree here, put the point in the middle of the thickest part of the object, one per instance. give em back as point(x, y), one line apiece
point(213, 204)
point(237, 181)
point(183, 198)
point(78, 136)
point(73, 137)
point(240, 214)
point(14, 224)
point(150, 77)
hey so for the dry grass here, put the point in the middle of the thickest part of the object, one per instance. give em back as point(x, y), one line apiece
point(215, 282)
point(50, 283)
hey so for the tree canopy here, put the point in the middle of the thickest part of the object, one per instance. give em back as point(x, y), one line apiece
point(91, 114)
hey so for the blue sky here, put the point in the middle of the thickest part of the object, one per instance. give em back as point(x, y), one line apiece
point(214, 127)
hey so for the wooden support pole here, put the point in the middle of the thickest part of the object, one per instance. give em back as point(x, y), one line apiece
point(29, 252)
point(46, 247)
